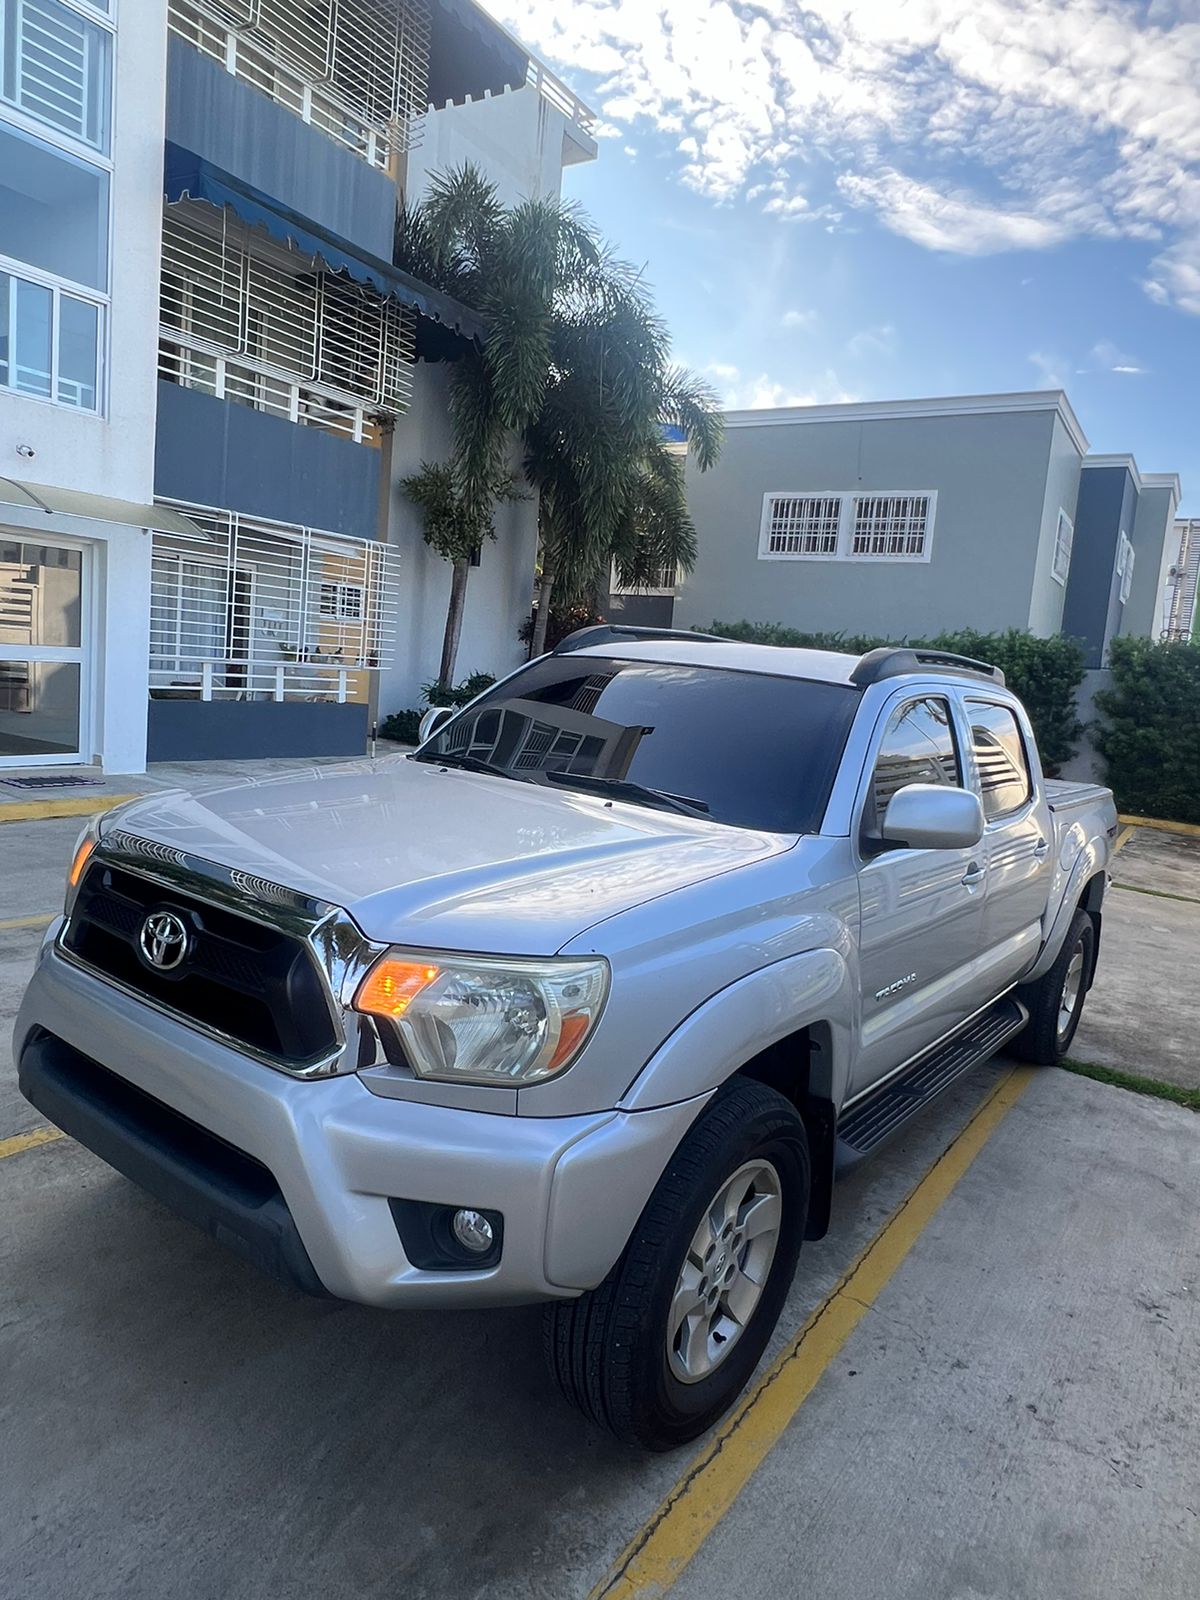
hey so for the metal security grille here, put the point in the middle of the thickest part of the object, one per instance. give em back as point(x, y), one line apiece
point(356, 69)
point(56, 67)
point(247, 319)
point(803, 525)
point(890, 524)
point(257, 610)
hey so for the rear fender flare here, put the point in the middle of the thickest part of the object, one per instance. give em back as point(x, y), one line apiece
point(1088, 864)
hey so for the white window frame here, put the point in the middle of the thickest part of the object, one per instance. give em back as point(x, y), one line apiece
point(107, 22)
point(1059, 544)
point(847, 504)
point(1127, 572)
point(58, 287)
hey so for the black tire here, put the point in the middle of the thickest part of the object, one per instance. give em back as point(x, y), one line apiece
point(1045, 1040)
point(608, 1350)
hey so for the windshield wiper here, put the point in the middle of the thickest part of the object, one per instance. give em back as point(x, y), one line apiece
point(623, 789)
point(459, 758)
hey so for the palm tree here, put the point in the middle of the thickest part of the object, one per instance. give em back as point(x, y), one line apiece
point(576, 364)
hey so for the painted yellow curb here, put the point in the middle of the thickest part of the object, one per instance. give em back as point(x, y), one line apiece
point(29, 1141)
point(42, 921)
point(1191, 829)
point(68, 806)
point(662, 1549)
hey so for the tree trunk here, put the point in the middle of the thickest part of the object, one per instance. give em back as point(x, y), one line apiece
point(454, 617)
point(537, 646)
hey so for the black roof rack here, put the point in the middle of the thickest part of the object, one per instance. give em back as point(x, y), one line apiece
point(613, 633)
point(890, 661)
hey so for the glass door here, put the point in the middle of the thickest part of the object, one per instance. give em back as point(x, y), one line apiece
point(43, 595)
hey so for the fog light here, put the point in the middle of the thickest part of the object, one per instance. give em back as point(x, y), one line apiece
point(473, 1231)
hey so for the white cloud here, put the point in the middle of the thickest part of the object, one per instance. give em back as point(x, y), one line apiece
point(877, 341)
point(1072, 119)
point(1108, 357)
point(756, 391)
point(796, 318)
point(1049, 368)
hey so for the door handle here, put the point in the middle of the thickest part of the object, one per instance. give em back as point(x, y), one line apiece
point(974, 874)
point(1041, 849)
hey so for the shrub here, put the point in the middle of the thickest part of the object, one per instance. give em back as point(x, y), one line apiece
point(1043, 673)
point(563, 620)
point(404, 726)
point(1149, 734)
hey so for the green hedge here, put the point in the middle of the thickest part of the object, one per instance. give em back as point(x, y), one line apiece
point(1149, 734)
point(1043, 673)
point(404, 726)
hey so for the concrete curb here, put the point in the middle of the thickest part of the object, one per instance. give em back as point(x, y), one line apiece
point(67, 806)
point(1190, 830)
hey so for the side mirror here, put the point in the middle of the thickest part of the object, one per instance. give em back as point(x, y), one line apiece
point(432, 721)
point(933, 816)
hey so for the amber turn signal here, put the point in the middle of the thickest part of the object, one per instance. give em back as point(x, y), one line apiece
point(82, 857)
point(391, 986)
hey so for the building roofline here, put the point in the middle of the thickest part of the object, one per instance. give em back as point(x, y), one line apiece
point(971, 405)
point(1121, 458)
point(1165, 480)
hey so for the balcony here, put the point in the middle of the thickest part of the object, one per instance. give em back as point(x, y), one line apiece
point(356, 70)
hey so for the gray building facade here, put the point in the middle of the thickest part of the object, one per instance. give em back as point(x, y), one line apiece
point(910, 518)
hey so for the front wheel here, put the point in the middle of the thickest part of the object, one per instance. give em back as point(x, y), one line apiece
point(667, 1342)
point(1055, 1001)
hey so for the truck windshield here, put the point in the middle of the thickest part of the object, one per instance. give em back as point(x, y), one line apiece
point(744, 748)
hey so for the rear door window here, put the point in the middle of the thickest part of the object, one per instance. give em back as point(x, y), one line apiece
point(1005, 783)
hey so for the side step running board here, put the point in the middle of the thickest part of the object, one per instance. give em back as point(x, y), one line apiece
point(865, 1126)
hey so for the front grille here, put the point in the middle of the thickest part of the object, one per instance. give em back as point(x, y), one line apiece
point(253, 983)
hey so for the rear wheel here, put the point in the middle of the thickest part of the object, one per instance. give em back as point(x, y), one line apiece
point(666, 1343)
point(1056, 1001)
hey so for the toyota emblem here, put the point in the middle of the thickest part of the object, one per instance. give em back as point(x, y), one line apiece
point(163, 940)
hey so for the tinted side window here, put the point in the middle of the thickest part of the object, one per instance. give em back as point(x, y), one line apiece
point(918, 747)
point(1000, 758)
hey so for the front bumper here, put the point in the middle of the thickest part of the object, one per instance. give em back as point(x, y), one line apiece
point(569, 1188)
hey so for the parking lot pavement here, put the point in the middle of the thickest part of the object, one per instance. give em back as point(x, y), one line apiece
point(1014, 1417)
point(1143, 1015)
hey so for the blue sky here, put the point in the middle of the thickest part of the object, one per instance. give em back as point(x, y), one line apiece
point(880, 199)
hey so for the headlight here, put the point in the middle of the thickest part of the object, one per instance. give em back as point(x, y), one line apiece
point(486, 1020)
point(80, 856)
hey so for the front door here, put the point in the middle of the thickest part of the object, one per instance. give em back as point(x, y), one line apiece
point(922, 910)
point(43, 666)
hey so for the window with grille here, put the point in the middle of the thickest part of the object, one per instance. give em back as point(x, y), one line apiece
point(259, 610)
point(1064, 539)
point(56, 67)
point(801, 525)
point(254, 321)
point(890, 525)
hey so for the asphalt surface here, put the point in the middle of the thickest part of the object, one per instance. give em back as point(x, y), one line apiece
point(1015, 1416)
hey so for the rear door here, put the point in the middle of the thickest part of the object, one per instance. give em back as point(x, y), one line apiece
point(922, 910)
point(1019, 837)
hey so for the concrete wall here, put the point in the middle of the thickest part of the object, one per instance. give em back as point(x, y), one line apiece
point(1154, 549)
point(1047, 594)
point(516, 138)
point(217, 453)
point(199, 730)
point(996, 476)
point(1087, 765)
point(1107, 505)
point(113, 454)
point(499, 591)
point(240, 130)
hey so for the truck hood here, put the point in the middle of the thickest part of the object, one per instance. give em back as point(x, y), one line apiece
point(444, 858)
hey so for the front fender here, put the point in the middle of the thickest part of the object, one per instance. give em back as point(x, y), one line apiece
point(816, 987)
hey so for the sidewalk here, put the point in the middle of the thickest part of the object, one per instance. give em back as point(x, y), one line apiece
point(102, 791)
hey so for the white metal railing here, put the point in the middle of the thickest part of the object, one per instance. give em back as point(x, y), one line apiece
point(551, 87)
point(247, 319)
point(358, 70)
point(250, 609)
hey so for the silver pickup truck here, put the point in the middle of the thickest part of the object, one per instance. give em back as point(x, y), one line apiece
point(588, 1000)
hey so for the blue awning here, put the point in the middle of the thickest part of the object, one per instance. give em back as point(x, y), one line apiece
point(188, 177)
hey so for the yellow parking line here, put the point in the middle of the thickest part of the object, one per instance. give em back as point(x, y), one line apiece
point(1123, 838)
point(42, 921)
point(1191, 829)
point(665, 1545)
point(68, 806)
point(29, 1141)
